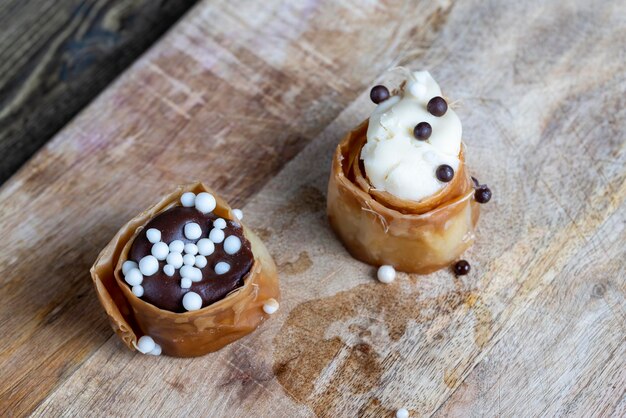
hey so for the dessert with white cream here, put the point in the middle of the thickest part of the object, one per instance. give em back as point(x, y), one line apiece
point(399, 194)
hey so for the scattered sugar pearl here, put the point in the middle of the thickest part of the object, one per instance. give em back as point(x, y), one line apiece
point(160, 250)
point(201, 261)
point(232, 244)
point(153, 235)
point(138, 290)
point(145, 344)
point(219, 223)
point(134, 277)
point(222, 267)
point(189, 260)
point(128, 265)
point(270, 306)
point(386, 274)
point(192, 273)
point(205, 247)
point(238, 214)
point(205, 202)
point(216, 235)
point(402, 413)
point(169, 269)
point(192, 301)
point(156, 351)
point(177, 246)
point(191, 249)
point(192, 230)
point(175, 260)
point(148, 265)
point(188, 200)
point(185, 283)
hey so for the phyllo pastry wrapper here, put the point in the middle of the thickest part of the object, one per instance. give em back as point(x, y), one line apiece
point(381, 229)
point(192, 333)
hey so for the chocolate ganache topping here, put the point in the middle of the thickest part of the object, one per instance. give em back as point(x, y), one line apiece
point(223, 265)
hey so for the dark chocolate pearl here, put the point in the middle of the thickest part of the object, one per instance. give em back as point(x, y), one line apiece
point(437, 106)
point(461, 268)
point(445, 173)
point(379, 94)
point(422, 131)
point(482, 194)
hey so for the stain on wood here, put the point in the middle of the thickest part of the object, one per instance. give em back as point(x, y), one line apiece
point(341, 343)
point(535, 329)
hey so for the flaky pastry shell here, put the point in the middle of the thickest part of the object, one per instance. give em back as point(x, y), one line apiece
point(379, 228)
point(191, 333)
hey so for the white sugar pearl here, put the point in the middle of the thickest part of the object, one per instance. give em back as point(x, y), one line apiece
point(188, 200)
point(192, 301)
point(185, 283)
point(193, 230)
point(185, 271)
point(216, 235)
point(177, 246)
point(169, 270)
point(417, 90)
point(175, 260)
point(232, 244)
point(189, 259)
point(402, 413)
point(148, 265)
point(145, 344)
point(197, 275)
point(219, 223)
point(205, 202)
point(205, 247)
point(156, 351)
point(191, 249)
point(153, 235)
point(160, 250)
point(201, 261)
point(138, 290)
point(128, 266)
point(133, 277)
point(238, 214)
point(270, 306)
point(386, 274)
point(192, 273)
point(222, 267)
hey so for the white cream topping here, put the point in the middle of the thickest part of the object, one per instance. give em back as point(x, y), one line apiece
point(398, 163)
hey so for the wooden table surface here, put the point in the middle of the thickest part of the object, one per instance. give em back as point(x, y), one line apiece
point(252, 98)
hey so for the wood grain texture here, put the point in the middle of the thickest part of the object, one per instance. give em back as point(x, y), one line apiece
point(56, 56)
point(228, 97)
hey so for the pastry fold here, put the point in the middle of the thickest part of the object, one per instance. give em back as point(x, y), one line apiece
point(379, 228)
point(192, 333)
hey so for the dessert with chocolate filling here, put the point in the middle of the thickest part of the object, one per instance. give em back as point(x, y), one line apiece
point(186, 277)
point(399, 194)
point(217, 260)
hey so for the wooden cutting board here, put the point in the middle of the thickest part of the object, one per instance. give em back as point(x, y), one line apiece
point(229, 97)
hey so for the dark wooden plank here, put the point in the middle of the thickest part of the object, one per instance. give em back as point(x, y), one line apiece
point(56, 56)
